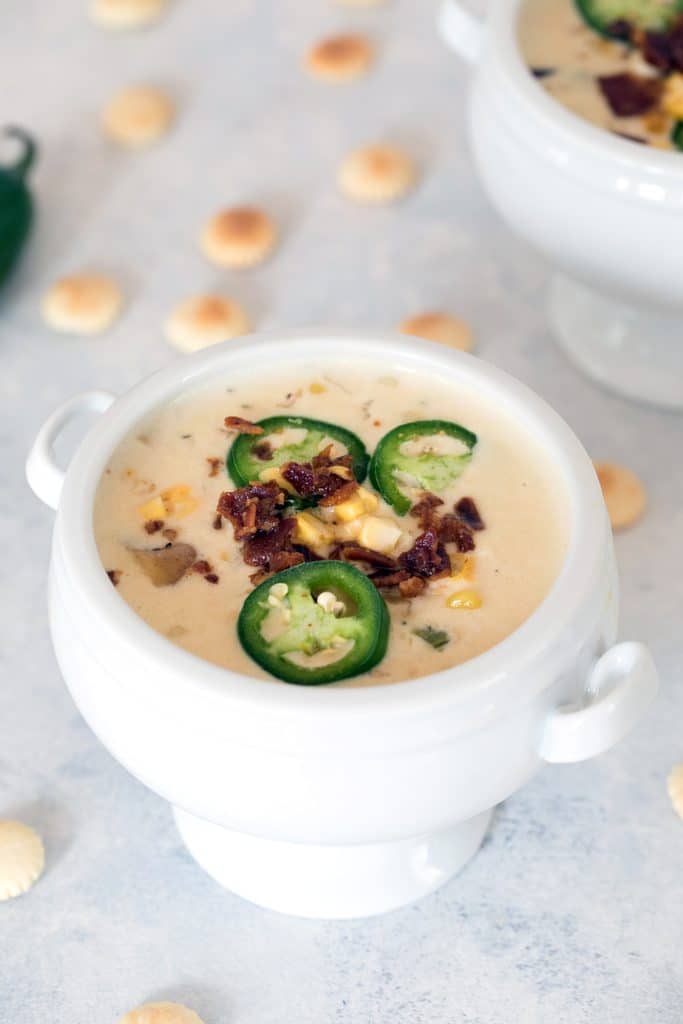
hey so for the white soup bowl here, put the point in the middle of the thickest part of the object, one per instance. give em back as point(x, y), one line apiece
point(329, 801)
point(606, 212)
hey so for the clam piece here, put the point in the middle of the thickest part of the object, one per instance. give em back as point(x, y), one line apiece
point(165, 566)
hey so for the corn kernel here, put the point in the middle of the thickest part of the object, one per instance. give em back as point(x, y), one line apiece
point(672, 98)
point(275, 473)
point(178, 501)
point(311, 531)
point(348, 531)
point(154, 509)
point(317, 389)
point(176, 493)
point(467, 600)
point(370, 500)
point(379, 534)
point(350, 509)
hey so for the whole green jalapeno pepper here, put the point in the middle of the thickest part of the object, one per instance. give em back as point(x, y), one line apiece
point(16, 205)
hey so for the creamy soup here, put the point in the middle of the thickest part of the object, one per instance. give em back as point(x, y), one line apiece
point(491, 534)
point(630, 86)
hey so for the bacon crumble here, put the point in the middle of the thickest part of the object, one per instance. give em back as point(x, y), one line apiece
point(154, 525)
point(242, 426)
point(263, 451)
point(317, 479)
point(252, 509)
point(452, 530)
point(466, 509)
point(628, 94)
point(214, 465)
point(427, 557)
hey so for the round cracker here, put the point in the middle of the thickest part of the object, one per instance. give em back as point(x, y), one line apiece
point(340, 58)
point(205, 320)
point(122, 14)
point(674, 785)
point(241, 236)
point(440, 327)
point(138, 115)
point(623, 492)
point(82, 304)
point(376, 174)
point(161, 1013)
point(22, 858)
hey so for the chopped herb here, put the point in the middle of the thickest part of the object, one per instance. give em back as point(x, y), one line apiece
point(436, 638)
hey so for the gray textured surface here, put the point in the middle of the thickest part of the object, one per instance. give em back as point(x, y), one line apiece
point(572, 912)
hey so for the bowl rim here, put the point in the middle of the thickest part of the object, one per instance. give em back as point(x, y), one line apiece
point(181, 674)
point(501, 32)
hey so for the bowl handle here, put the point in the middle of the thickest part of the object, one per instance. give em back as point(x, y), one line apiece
point(45, 477)
point(622, 684)
point(461, 30)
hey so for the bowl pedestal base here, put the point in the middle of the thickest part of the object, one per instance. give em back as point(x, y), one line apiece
point(634, 351)
point(308, 880)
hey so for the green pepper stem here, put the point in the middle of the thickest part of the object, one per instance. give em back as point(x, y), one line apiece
point(22, 166)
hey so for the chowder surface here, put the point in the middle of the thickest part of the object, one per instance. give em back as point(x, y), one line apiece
point(519, 493)
point(555, 40)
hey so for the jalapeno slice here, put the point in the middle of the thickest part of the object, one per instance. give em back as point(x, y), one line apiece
point(400, 465)
point(315, 623)
point(607, 16)
point(246, 460)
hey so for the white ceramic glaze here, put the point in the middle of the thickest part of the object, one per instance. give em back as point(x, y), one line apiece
point(338, 802)
point(608, 213)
